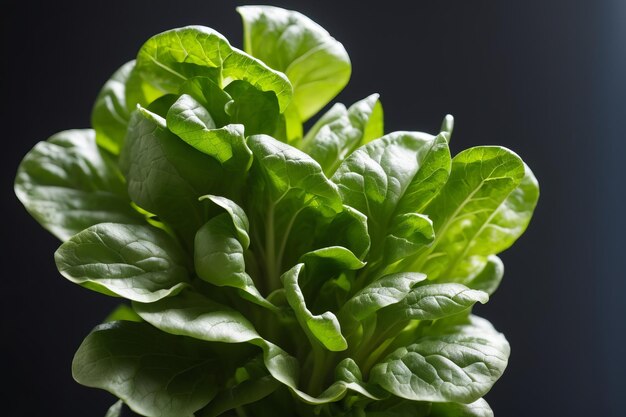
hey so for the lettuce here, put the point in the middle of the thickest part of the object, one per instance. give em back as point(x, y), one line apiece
point(328, 273)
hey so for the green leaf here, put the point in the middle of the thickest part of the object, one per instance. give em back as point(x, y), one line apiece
point(166, 176)
point(237, 215)
point(290, 173)
point(458, 365)
point(347, 229)
point(115, 410)
point(123, 312)
point(287, 188)
point(167, 60)
point(335, 257)
point(110, 114)
point(435, 301)
point(383, 292)
point(154, 373)
point(193, 315)
point(348, 372)
point(397, 407)
point(478, 408)
point(447, 126)
point(409, 233)
point(140, 263)
point(210, 95)
point(219, 258)
point(487, 278)
point(67, 185)
point(190, 121)
point(340, 131)
point(325, 327)
point(247, 392)
point(477, 213)
point(316, 64)
point(389, 180)
point(257, 110)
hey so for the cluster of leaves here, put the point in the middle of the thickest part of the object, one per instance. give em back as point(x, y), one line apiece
point(327, 273)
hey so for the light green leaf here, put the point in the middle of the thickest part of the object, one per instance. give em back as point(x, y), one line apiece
point(435, 301)
point(191, 314)
point(167, 60)
point(257, 110)
point(487, 276)
point(325, 327)
point(154, 373)
point(110, 114)
point(67, 185)
point(316, 64)
point(139, 92)
point(478, 408)
point(140, 263)
point(190, 121)
point(210, 95)
point(237, 215)
point(476, 212)
point(122, 312)
point(340, 131)
point(219, 258)
point(166, 176)
point(410, 233)
point(447, 126)
point(383, 292)
point(335, 257)
point(389, 178)
point(458, 365)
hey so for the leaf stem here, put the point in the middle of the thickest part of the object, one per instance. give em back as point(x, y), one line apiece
point(319, 369)
point(270, 250)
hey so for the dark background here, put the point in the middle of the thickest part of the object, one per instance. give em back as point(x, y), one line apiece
point(545, 78)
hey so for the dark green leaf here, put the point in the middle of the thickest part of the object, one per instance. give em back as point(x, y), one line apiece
point(257, 110)
point(247, 392)
point(110, 114)
point(115, 410)
point(154, 373)
point(166, 176)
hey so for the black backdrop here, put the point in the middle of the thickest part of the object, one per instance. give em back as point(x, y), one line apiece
point(545, 78)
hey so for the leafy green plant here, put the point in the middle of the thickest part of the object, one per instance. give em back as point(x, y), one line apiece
point(328, 273)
